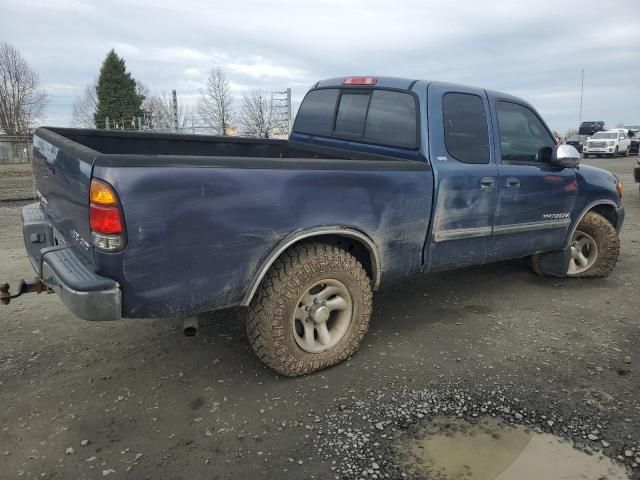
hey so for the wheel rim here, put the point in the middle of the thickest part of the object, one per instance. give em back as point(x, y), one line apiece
point(584, 252)
point(322, 316)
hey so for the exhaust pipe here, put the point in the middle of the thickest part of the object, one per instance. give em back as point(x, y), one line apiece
point(190, 326)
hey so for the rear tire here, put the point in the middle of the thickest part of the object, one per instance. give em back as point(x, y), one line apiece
point(305, 279)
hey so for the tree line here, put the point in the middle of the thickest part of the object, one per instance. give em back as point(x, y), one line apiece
point(116, 100)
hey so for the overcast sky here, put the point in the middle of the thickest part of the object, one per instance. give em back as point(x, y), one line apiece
point(534, 49)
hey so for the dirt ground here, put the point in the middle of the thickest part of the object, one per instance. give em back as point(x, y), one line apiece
point(136, 399)
point(15, 180)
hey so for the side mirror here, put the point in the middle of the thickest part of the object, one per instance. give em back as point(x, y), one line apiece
point(565, 156)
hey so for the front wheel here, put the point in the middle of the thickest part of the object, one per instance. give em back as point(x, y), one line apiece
point(311, 311)
point(595, 247)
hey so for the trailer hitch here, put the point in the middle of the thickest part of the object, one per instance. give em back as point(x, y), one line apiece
point(34, 286)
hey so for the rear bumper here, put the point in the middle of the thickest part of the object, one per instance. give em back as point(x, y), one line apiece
point(64, 269)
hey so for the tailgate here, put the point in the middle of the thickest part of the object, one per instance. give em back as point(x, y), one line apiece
point(62, 175)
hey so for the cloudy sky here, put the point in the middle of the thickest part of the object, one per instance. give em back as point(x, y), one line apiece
point(534, 49)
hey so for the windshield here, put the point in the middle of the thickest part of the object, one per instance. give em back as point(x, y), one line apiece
point(605, 135)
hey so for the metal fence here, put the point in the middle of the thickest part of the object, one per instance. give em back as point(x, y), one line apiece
point(15, 149)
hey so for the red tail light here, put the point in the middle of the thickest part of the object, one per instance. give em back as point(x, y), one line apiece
point(360, 81)
point(105, 220)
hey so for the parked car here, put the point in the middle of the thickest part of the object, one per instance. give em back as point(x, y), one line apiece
point(577, 142)
point(610, 143)
point(589, 128)
point(381, 178)
point(634, 135)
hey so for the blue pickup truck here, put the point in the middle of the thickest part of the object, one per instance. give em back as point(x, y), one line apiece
point(381, 178)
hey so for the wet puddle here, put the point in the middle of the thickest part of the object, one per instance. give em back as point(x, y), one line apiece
point(457, 450)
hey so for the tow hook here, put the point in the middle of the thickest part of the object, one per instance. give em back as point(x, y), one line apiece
point(35, 286)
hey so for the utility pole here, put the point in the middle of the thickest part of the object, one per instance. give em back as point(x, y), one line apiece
point(281, 110)
point(289, 119)
point(581, 94)
point(174, 104)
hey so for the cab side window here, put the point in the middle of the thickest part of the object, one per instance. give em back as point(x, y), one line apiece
point(466, 135)
point(523, 136)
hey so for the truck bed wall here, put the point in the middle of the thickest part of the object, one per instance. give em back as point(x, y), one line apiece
point(197, 236)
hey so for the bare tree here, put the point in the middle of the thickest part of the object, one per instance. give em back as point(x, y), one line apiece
point(22, 99)
point(84, 107)
point(257, 115)
point(158, 110)
point(215, 104)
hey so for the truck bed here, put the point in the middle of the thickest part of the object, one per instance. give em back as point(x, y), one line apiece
point(164, 146)
point(203, 214)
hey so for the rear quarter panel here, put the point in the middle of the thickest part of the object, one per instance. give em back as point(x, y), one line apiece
point(197, 236)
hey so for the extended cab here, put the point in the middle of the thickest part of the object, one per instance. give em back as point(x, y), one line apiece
point(381, 178)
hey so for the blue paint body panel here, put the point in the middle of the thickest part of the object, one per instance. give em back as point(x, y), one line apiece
point(200, 226)
point(62, 176)
point(195, 243)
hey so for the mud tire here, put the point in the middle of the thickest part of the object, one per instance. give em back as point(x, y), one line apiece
point(607, 240)
point(269, 326)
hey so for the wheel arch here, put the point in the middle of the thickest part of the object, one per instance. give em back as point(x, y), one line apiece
point(356, 243)
point(606, 208)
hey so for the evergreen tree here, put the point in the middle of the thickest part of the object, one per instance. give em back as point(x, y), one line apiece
point(118, 98)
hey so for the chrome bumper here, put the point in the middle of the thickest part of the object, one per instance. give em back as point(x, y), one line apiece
point(65, 270)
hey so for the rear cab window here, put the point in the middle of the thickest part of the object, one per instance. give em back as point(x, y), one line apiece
point(316, 112)
point(351, 114)
point(373, 116)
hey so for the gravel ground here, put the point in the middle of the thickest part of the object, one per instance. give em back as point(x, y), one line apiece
point(15, 179)
point(135, 399)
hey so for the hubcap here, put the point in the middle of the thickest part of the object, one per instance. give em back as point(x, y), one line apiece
point(322, 316)
point(584, 252)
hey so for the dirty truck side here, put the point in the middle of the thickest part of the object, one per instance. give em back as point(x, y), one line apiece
point(380, 178)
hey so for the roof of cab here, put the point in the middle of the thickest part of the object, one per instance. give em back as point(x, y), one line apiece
point(408, 83)
point(384, 82)
point(403, 84)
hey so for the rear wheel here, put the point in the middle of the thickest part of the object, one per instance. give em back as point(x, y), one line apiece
point(311, 311)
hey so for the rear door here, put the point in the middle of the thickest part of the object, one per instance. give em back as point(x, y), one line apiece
point(466, 176)
point(535, 199)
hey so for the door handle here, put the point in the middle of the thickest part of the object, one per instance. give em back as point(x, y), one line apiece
point(513, 182)
point(486, 183)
